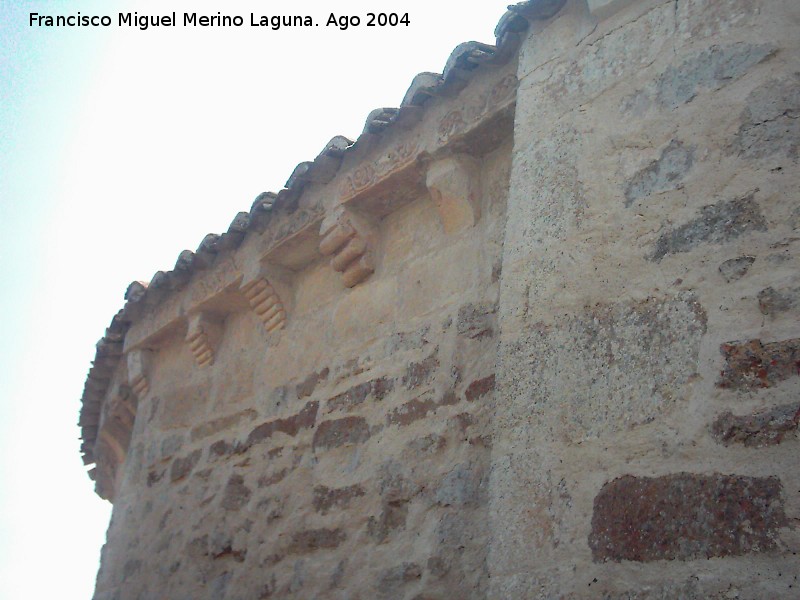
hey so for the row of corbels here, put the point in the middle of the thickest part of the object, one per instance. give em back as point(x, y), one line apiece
point(458, 70)
point(348, 237)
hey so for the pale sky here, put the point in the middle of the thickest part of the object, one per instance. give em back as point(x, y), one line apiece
point(118, 149)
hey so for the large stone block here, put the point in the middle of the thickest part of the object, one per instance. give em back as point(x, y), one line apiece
point(686, 516)
point(607, 369)
point(698, 19)
point(763, 428)
point(770, 122)
point(754, 364)
point(341, 432)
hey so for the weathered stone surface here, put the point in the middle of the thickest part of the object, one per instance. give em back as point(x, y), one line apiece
point(699, 19)
point(236, 494)
point(770, 125)
point(393, 580)
point(708, 70)
point(326, 499)
point(181, 467)
point(625, 364)
point(419, 373)
point(311, 540)
point(309, 384)
point(463, 486)
point(274, 478)
point(764, 428)
point(356, 395)
point(664, 174)
point(289, 425)
point(214, 426)
point(686, 516)
point(717, 223)
point(479, 388)
point(428, 444)
point(413, 410)
point(752, 364)
point(548, 172)
point(395, 483)
point(454, 187)
point(341, 432)
point(734, 269)
point(600, 65)
point(772, 302)
point(392, 517)
point(350, 398)
point(220, 448)
point(154, 476)
point(476, 321)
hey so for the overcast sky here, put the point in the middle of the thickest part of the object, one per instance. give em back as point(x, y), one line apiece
point(118, 149)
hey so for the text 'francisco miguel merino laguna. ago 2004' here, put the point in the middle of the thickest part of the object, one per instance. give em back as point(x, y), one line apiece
point(273, 22)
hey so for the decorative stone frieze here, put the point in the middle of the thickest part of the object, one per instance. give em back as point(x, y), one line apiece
point(454, 186)
point(349, 239)
point(203, 335)
point(397, 159)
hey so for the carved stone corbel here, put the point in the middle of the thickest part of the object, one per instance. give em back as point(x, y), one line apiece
point(138, 367)
point(203, 336)
point(268, 292)
point(349, 239)
point(454, 185)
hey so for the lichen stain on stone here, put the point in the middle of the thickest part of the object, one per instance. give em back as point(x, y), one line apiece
point(664, 174)
point(774, 301)
point(770, 123)
point(710, 69)
point(734, 269)
point(716, 224)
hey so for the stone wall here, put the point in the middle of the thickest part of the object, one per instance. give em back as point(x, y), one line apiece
point(534, 335)
point(647, 409)
point(348, 452)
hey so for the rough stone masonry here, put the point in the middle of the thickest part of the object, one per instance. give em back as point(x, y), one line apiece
point(534, 334)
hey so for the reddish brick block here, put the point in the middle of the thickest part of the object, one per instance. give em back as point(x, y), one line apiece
point(413, 410)
point(420, 372)
point(765, 428)
point(290, 425)
point(479, 388)
point(308, 385)
point(326, 498)
point(181, 467)
point(236, 494)
point(357, 394)
point(685, 516)
point(753, 364)
point(310, 540)
point(339, 432)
